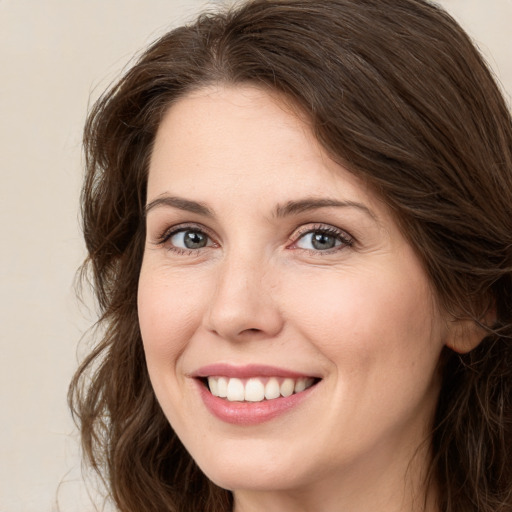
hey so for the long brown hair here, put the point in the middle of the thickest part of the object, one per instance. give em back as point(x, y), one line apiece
point(397, 93)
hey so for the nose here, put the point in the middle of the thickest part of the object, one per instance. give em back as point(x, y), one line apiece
point(244, 302)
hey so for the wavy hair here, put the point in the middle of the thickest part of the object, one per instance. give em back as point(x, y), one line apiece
point(397, 93)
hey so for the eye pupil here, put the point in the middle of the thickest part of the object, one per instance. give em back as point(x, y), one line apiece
point(323, 241)
point(195, 240)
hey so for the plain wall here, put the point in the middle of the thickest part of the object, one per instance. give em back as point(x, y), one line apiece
point(55, 57)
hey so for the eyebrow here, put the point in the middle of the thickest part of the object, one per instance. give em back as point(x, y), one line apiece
point(285, 210)
point(304, 205)
point(180, 204)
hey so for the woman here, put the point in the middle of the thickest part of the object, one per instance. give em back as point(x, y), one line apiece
point(298, 222)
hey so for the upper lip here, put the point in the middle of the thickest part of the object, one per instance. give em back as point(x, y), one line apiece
point(246, 371)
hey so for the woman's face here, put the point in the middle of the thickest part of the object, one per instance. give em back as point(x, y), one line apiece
point(270, 270)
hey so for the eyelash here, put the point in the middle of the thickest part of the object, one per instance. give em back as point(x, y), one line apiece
point(166, 235)
point(343, 237)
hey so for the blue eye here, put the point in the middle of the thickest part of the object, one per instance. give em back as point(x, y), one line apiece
point(189, 239)
point(323, 239)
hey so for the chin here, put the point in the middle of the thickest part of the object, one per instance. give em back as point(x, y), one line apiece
point(255, 478)
point(255, 468)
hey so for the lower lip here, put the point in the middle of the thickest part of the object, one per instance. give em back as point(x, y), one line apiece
point(250, 413)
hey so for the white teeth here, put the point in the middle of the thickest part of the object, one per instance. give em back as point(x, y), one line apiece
point(254, 390)
point(222, 387)
point(300, 385)
point(235, 390)
point(272, 389)
point(287, 387)
point(213, 384)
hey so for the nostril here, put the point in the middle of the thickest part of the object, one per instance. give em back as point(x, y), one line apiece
point(250, 333)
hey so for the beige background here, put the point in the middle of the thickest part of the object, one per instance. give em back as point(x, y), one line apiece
point(55, 57)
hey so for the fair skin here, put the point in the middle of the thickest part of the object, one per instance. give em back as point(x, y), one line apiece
point(265, 257)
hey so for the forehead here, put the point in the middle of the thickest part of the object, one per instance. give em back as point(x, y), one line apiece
point(239, 133)
point(228, 123)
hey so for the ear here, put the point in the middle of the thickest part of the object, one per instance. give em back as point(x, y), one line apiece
point(465, 334)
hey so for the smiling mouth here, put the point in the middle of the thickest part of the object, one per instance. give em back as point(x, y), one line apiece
point(256, 389)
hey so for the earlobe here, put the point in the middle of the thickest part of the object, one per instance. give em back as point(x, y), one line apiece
point(464, 336)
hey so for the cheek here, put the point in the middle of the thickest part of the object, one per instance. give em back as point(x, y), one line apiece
point(358, 319)
point(381, 335)
point(168, 316)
